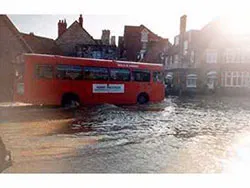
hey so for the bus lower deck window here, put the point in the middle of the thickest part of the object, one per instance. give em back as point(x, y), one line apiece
point(96, 73)
point(118, 74)
point(69, 72)
point(44, 71)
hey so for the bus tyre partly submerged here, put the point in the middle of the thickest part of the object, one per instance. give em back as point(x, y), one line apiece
point(142, 98)
point(70, 100)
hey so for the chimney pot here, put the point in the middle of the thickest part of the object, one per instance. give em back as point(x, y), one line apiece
point(80, 20)
point(62, 27)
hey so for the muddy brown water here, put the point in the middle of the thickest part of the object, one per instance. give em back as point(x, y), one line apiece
point(178, 135)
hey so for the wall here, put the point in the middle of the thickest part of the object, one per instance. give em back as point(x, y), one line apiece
point(10, 47)
point(74, 36)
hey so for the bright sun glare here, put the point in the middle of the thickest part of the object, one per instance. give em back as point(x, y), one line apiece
point(237, 24)
point(240, 159)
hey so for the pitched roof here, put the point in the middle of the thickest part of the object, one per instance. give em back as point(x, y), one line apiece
point(98, 41)
point(138, 29)
point(41, 45)
point(12, 27)
point(75, 23)
point(32, 43)
point(131, 29)
point(153, 35)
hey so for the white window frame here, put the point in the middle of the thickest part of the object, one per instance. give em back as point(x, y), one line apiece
point(191, 81)
point(171, 59)
point(192, 57)
point(176, 58)
point(231, 75)
point(233, 55)
point(211, 56)
point(185, 47)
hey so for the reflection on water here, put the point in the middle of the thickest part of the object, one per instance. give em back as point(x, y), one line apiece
point(201, 134)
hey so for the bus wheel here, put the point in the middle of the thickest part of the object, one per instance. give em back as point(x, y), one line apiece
point(70, 100)
point(142, 98)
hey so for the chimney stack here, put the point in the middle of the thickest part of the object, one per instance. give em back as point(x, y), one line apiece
point(113, 40)
point(80, 20)
point(105, 37)
point(183, 22)
point(62, 27)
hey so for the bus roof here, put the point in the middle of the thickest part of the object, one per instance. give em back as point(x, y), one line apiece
point(91, 59)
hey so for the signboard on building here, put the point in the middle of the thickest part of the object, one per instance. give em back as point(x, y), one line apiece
point(108, 88)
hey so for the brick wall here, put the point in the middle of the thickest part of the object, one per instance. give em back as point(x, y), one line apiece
point(132, 44)
point(10, 46)
point(74, 36)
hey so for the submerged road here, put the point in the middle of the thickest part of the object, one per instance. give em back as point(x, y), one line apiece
point(179, 135)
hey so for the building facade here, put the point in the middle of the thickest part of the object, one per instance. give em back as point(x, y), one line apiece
point(76, 41)
point(71, 41)
point(141, 44)
point(210, 60)
point(12, 45)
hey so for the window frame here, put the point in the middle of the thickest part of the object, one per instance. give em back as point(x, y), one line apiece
point(84, 78)
point(162, 77)
point(211, 57)
point(44, 78)
point(192, 77)
point(240, 78)
point(140, 70)
point(130, 75)
point(71, 66)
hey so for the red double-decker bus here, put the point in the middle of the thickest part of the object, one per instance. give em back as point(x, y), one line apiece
point(59, 80)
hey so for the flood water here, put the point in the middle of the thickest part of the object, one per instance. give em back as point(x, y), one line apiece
point(179, 135)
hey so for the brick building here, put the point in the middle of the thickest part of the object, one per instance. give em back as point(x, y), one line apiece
point(209, 60)
point(156, 51)
point(13, 44)
point(140, 44)
point(76, 41)
point(105, 37)
point(71, 41)
point(75, 34)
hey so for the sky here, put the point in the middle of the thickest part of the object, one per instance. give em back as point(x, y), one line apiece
point(161, 17)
